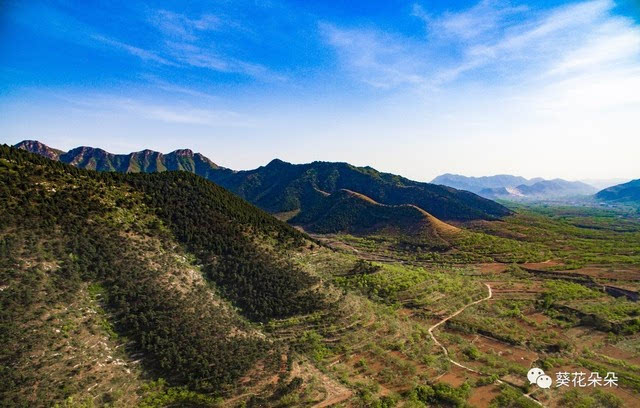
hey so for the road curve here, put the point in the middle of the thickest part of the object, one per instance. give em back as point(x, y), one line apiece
point(446, 352)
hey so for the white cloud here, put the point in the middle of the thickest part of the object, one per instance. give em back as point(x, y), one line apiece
point(141, 53)
point(559, 86)
point(181, 113)
point(158, 83)
point(202, 57)
point(380, 59)
point(614, 42)
point(588, 94)
point(470, 24)
point(182, 26)
point(549, 33)
point(176, 54)
point(489, 38)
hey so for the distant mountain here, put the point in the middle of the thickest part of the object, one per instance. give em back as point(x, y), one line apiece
point(556, 188)
point(516, 188)
point(601, 184)
point(500, 192)
point(627, 192)
point(34, 146)
point(145, 161)
point(541, 190)
point(282, 187)
point(477, 184)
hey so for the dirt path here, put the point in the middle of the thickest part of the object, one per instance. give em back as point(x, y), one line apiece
point(446, 352)
point(435, 326)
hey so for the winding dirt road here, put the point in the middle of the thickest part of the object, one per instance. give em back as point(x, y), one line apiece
point(446, 352)
point(435, 326)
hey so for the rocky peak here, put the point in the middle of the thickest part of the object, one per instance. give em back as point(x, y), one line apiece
point(183, 152)
point(36, 147)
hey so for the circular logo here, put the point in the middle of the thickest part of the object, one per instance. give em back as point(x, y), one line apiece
point(533, 374)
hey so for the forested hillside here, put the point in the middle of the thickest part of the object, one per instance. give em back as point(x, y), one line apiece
point(117, 261)
point(282, 186)
point(348, 212)
point(625, 193)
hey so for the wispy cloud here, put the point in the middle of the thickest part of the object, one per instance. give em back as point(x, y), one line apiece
point(588, 93)
point(141, 53)
point(184, 27)
point(471, 24)
point(158, 83)
point(614, 42)
point(187, 42)
point(545, 34)
point(203, 57)
point(170, 38)
point(183, 114)
point(187, 54)
point(380, 59)
point(180, 113)
point(491, 36)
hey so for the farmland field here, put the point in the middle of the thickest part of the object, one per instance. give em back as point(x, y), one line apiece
point(564, 285)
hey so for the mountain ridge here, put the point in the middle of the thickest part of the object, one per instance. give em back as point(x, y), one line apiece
point(541, 190)
point(145, 161)
point(476, 184)
point(282, 187)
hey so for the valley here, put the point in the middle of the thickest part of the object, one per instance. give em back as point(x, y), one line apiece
point(553, 313)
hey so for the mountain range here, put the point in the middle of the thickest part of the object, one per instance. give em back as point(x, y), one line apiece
point(477, 184)
point(322, 196)
point(541, 190)
point(517, 188)
point(145, 161)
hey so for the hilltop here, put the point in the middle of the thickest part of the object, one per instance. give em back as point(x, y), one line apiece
point(280, 187)
point(346, 211)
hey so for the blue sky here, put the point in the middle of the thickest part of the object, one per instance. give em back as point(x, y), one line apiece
point(419, 88)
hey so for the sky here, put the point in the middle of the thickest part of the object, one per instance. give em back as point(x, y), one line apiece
point(417, 88)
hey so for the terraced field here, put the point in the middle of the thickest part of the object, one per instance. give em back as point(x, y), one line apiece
point(407, 320)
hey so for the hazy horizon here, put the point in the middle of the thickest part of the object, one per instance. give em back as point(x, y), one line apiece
point(534, 88)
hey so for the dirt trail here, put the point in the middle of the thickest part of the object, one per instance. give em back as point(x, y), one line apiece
point(435, 326)
point(446, 352)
